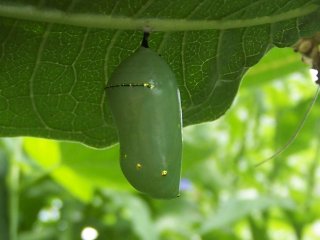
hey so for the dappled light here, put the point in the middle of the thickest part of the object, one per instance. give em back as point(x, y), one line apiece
point(89, 233)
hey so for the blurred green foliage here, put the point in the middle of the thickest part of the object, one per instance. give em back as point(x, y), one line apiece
point(65, 191)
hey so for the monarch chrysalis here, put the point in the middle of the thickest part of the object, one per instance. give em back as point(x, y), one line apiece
point(145, 104)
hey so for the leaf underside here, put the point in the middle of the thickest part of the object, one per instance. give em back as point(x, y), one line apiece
point(52, 76)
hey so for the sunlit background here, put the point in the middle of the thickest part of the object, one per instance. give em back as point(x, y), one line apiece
point(69, 191)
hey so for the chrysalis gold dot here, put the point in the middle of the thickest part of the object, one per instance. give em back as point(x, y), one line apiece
point(138, 166)
point(164, 173)
point(148, 85)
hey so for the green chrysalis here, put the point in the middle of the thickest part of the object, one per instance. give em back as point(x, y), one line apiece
point(145, 103)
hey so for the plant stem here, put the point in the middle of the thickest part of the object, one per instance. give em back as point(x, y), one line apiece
point(13, 182)
point(155, 24)
point(14, 152)
point(4, 231)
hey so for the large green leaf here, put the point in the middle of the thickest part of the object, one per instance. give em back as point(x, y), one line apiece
point(57, 56)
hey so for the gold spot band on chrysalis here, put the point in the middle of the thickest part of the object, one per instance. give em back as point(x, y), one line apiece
point(147, 85)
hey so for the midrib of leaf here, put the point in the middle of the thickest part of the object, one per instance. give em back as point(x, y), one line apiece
point(125, 23)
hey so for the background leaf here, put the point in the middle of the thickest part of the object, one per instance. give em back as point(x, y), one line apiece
point(74, 165)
